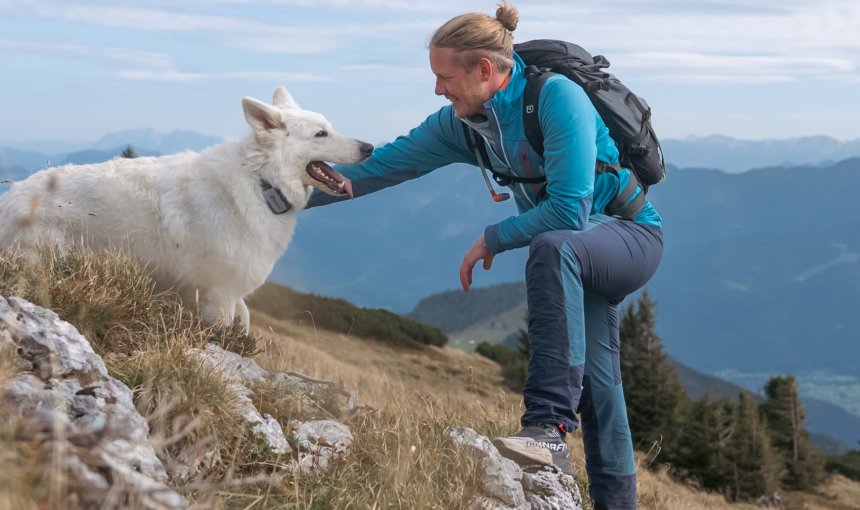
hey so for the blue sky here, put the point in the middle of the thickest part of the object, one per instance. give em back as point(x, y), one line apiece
point(75, 70)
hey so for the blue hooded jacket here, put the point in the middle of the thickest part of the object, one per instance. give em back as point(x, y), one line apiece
point(575, 137)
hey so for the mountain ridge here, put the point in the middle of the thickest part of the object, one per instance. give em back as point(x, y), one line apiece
point(34, 155)
point(732, 155)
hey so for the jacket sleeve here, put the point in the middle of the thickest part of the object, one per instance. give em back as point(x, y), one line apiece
point(569, 123)
point(436, 142)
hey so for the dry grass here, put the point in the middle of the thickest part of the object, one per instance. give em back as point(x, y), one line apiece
point(19, 472)
point(143, 337)
point(659, 491)
point(401, 457)
point(838, 493)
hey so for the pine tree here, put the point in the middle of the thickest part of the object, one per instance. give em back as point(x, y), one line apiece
point(703, 443)
point(651, 386)
point(755, 465)
point(128, 152)
point(804, 466)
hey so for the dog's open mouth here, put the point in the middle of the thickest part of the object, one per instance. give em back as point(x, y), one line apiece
point(326, 179)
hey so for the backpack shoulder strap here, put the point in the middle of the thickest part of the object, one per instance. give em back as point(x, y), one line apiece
point(473, 143)
point(535, 80)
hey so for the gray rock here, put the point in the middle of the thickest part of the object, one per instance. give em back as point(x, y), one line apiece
point(320, 442)
point(53, 346)
point(237, 370)
point(550, 489)
point(501, 483)
point(505, 485)
point(70, 400)
point(233, 366)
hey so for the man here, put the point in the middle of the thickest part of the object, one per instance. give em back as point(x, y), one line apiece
point(582, 262)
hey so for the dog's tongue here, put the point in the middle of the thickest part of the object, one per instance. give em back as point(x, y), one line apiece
point(329, 178)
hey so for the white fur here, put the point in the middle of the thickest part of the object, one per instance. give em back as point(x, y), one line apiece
point(198, 221)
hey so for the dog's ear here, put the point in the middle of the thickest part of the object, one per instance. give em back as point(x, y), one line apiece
point(282, 99)
point(260, 116)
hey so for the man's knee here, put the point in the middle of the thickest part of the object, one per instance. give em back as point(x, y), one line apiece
point(547, 244)
point(553, 249)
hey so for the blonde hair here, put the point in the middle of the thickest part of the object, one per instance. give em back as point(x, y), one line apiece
point(476, 35)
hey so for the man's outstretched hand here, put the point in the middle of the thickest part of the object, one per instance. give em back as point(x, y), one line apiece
point(476, 252)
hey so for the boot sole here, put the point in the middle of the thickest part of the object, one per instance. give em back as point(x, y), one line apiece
point(518, 452)
point(521, 454)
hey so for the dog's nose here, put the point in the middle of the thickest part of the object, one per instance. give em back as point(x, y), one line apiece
point(366, 149)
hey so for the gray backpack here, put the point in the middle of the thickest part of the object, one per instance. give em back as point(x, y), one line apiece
point(627, 116)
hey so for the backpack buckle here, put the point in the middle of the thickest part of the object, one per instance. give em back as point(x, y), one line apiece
point(531, 71)
point(639, 150)
point(502, 179)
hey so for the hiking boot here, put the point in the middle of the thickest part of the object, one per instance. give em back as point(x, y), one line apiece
point(542, 445)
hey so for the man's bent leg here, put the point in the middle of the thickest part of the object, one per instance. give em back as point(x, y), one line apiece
point(556, 332)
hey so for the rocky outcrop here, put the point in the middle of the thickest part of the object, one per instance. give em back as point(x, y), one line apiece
point(67, 404)
point(238, 370)
point(319, 442)
point(74, 411)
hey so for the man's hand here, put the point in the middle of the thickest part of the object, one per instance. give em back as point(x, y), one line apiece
point(476, 252)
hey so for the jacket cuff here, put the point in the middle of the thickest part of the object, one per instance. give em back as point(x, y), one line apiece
point(491, 239)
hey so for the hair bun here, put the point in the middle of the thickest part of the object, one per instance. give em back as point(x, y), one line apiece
point(508, 16)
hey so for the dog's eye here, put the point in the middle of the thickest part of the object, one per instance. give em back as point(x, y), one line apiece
point(321, 134)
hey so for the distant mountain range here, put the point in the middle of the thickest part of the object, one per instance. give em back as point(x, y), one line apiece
point(776, 250)
point(716, 152)
point(732, 155)
point(22, 158)
point(755, 266)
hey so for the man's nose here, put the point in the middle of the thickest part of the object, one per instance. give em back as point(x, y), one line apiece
point(440, 89)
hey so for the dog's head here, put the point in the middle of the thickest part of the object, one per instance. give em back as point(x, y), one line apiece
point(298, 143)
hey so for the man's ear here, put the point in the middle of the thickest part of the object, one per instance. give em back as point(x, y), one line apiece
point(485, 67)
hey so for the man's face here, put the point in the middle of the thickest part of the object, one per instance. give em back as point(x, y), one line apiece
point(465, 88)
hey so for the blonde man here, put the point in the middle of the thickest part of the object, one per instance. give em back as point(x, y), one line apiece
point(582, 262)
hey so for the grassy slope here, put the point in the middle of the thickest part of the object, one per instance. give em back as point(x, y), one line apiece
point(460, 388)
point(400, 457)
point(492, 329)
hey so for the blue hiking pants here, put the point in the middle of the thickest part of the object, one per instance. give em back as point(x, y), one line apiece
point(575, 281)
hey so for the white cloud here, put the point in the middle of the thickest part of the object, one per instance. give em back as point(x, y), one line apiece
point(89, 52)
point(133, 18)
point(772, 42)
point(420, 6)
point(322, 40)
point(256, 76)
point(378, 46)
point(739, 69)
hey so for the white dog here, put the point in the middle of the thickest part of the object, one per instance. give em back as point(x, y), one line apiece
point(209, 225)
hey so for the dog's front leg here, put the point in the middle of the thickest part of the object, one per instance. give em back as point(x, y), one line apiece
point(244, 315)
point(215, 309)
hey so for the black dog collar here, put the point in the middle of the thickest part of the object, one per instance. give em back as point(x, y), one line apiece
point(276, 200)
